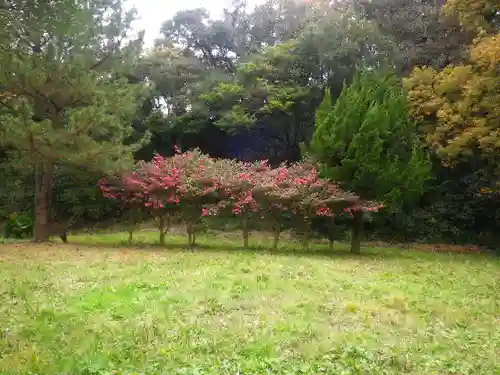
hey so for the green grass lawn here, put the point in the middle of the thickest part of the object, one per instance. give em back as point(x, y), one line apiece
point(96, 308)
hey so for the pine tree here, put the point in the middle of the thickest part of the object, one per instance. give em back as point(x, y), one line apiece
point(368, 142)
point(64, 67)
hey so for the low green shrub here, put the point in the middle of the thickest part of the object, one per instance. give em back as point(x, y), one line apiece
point(18, 226)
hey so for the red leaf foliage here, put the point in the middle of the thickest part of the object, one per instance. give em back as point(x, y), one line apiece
point(210, 186)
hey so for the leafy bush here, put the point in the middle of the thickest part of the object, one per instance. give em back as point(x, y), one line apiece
point(18, 226)
point(78, 198)
point(16, 189)
point(193, 186)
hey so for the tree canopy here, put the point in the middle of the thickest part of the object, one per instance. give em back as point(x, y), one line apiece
point(259, 74)
point(459, 104)
point(69, 99)
point(367, 141)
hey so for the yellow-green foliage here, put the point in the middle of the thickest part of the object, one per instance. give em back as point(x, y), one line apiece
point(473, 14)
point(460, 104)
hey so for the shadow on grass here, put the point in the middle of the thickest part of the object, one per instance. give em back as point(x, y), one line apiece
point(215, 244)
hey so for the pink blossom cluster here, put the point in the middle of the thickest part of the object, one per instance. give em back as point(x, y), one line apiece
point(203, 186)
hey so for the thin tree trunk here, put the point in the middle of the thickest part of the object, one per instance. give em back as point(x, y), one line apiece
point(189, 229)
point(244, 228)
point(161, 226)
point(44, 175)
point(357, 232)
point(305, 241)
point(276, 238)
point(130, 235)
point(331, 237)
point(131, 226)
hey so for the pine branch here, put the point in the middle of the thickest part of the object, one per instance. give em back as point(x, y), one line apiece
point(4, 104)
point(56, 106)
point(107, 55)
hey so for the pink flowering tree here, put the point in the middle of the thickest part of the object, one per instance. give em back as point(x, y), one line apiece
point(321, 197)
point(178, 185)
point(125, 189)
point(198, 188)
point(160, 179)
point(297, 194)
point(192, 185)
point(274, 196)
point(235, 184)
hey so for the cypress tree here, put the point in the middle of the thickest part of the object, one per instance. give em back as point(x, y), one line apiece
point(368, 142)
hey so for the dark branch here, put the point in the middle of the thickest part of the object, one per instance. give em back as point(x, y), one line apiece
point(107, 56)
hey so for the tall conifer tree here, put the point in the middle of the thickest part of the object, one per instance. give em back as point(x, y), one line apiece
point(369, 143)
point(65, 89)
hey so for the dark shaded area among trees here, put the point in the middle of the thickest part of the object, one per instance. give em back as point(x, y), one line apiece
point(397, 100)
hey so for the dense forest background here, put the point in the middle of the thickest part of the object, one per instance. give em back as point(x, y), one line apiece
point(396, 99)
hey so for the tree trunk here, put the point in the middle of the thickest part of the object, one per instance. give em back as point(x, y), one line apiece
point(161, 226)
point(41, 217)
point(189, 229)
point(357, 232)
point(276, 238)
point(130, 235)
point(131, 226)
point(305, 241)
point(331, 235)
point(306, 235)
point(244, 228)
point(44, 176)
